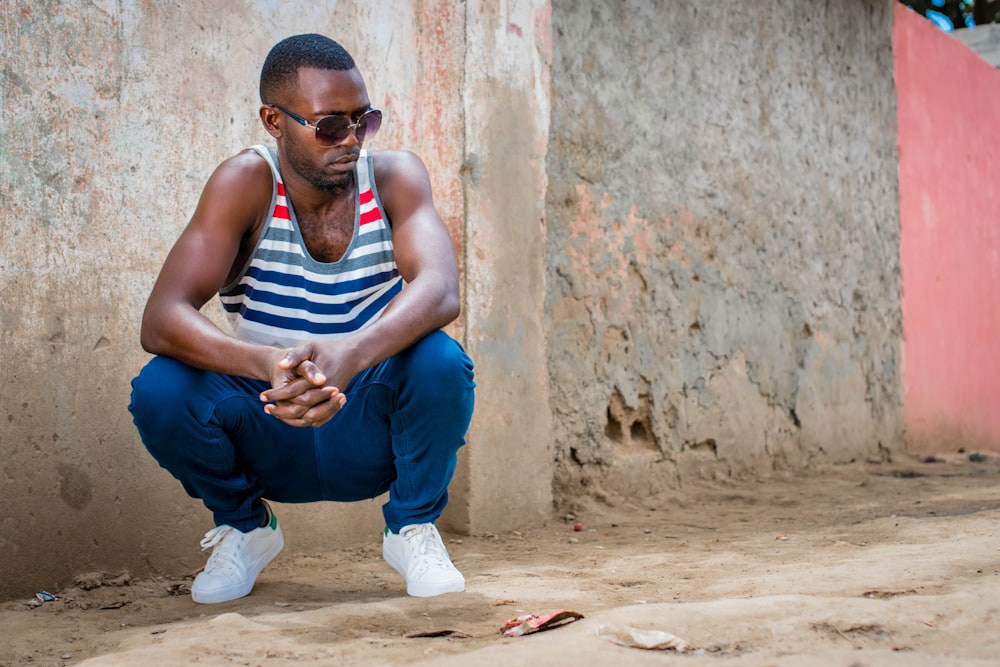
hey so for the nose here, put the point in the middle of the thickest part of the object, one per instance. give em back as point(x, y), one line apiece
point(352, 138)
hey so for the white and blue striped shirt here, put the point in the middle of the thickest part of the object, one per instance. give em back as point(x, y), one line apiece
point(284, 297)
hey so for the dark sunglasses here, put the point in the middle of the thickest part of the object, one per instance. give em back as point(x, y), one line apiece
point(334, 130)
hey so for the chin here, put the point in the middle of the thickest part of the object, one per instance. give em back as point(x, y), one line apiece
point(335, 183)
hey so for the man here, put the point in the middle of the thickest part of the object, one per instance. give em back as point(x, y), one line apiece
point(336, 383)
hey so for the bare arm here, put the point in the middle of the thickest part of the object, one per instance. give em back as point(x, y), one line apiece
point(233, 203)
point(425, 258)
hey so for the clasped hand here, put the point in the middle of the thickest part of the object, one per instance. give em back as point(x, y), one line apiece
point(300, 394)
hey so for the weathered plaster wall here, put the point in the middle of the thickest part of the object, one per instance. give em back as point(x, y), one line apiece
point(112, 115)
point(506, 101)
point(949, 109)
point(723, 275)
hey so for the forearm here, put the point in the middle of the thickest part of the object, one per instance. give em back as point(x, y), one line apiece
point(183, 333)
point(423, 306)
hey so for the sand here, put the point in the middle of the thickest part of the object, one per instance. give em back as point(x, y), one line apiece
point(874, 564)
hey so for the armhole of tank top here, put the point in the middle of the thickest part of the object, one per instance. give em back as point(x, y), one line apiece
point(370, 166)
point(265, 153)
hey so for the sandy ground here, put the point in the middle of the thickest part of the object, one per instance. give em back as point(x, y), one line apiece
point(891, 564)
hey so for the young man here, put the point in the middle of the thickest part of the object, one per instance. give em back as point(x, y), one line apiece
point(336, 382)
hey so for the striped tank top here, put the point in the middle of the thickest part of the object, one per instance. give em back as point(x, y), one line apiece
point(284, 297)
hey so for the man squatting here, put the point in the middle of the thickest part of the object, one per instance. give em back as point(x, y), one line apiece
point(337, 383)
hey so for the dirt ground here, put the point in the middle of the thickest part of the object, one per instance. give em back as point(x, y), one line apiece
point(888, 564)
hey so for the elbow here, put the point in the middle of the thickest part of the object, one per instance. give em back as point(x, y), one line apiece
point(148, 341)
point(451, 307)
point(150, 336)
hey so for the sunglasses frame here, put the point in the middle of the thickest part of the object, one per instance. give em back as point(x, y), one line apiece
point(350, 128)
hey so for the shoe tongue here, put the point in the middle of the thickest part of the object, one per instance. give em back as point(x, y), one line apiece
point(410, 531)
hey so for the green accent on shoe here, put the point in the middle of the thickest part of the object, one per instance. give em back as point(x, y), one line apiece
point(385, 533)
point(274, 520)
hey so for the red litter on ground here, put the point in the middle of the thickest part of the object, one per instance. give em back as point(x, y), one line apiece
point(530, 623)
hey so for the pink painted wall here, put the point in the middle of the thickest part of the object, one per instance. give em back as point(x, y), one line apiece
point(949, 187)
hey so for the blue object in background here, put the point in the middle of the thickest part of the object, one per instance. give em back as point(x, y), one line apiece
point(940, 20)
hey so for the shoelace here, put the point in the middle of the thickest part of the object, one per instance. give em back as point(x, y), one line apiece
point(226, 555)
point(426, 546)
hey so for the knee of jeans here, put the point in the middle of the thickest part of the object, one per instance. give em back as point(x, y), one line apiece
point(158, 390)
point(441, 366)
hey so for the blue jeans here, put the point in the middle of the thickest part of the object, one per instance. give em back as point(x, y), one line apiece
point(401, 428)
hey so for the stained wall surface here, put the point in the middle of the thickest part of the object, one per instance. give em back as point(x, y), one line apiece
point(949, 107)
point(723, 273)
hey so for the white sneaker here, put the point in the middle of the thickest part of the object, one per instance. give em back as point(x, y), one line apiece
point(236, 561)
point(418, 554)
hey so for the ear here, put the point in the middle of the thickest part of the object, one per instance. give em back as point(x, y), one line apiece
point(269, 117)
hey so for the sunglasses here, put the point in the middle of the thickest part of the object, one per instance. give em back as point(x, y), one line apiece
point(334, 130)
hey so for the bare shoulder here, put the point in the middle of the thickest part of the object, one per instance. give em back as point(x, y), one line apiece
point(237, 194)
point(396, 160)
point(246, 169)
point(399, 169)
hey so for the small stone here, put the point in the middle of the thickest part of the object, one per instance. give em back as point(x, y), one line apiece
point(573, 540)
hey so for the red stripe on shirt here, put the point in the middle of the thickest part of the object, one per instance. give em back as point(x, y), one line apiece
point(370, 216)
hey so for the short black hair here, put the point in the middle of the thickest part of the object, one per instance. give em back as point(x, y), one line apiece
point(283, 62)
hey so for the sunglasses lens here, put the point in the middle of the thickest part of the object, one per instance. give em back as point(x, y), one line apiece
point(368, 124)
point(332, 130)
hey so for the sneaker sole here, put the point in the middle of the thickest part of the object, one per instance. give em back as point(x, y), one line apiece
point(423, 591)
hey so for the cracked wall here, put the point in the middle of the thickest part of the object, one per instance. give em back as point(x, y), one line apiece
point(723, 274)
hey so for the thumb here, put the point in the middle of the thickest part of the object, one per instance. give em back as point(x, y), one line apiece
point(311, 372)
point(295, 356)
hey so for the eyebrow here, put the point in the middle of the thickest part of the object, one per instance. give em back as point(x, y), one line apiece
point(350, 114)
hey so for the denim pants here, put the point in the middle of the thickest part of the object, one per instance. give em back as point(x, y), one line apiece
point(403, 423)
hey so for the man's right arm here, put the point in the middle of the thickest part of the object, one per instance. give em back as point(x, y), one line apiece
point(232, 207)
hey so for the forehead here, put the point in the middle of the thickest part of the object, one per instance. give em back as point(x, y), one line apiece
point(329, 91)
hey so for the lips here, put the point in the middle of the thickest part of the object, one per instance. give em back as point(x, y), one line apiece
point(345, 162)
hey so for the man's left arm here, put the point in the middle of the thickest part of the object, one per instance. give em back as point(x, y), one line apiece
point(424, 256)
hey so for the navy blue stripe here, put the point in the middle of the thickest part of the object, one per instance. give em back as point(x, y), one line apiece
point(344, 287)
point(300, 303)
point(293, 325)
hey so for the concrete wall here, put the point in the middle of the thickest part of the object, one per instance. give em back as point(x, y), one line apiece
point(949, 112)
point(723, 274)
point(112, 115)
point(506, 97)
